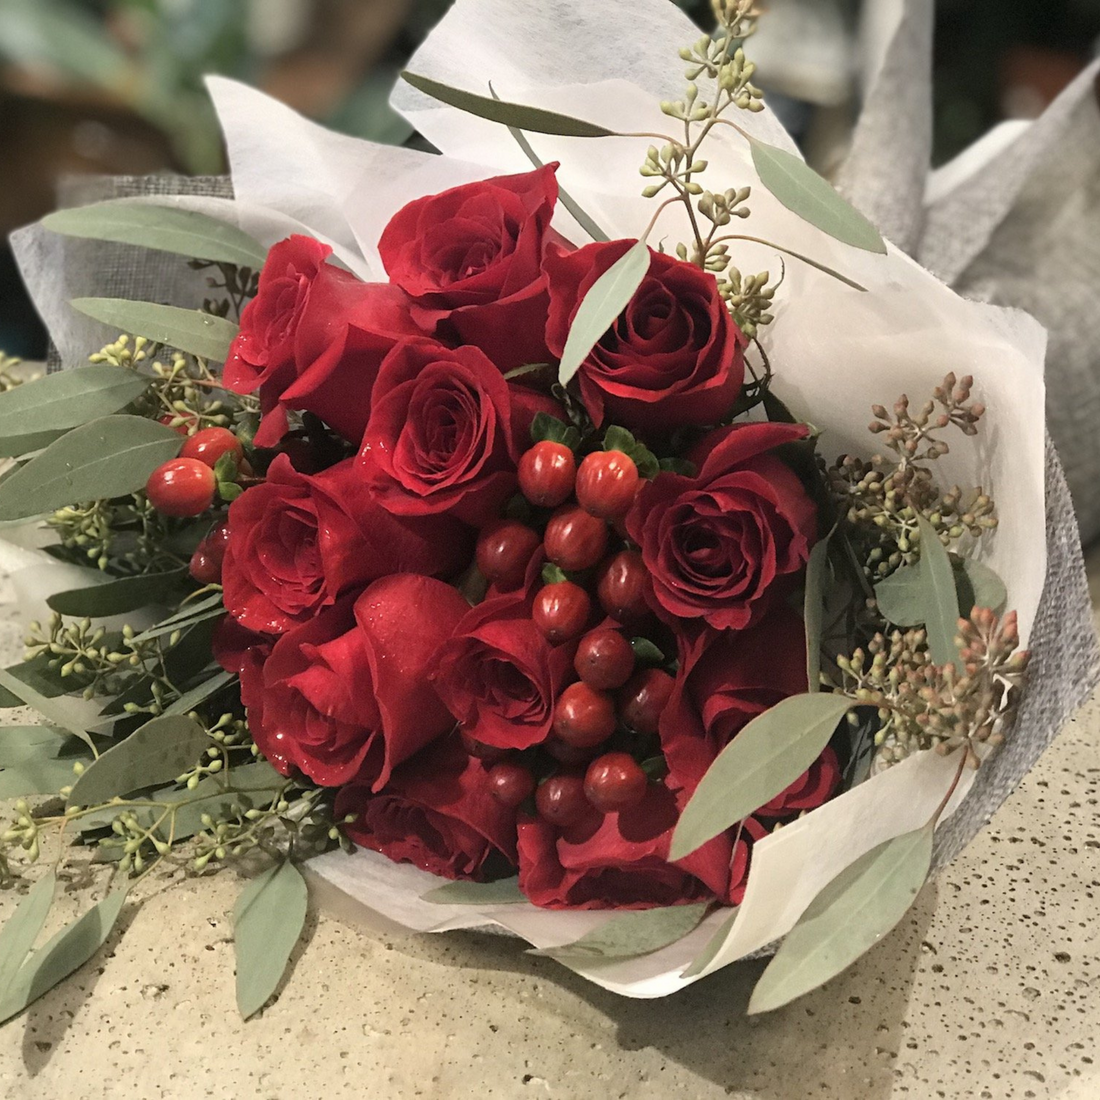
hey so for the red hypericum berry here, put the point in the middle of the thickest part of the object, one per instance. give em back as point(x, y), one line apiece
point(643, 698)
point(604, 659)
point(204, 567)
point(216, 542)
point(210, 444)
point(607, 482)
point(491, 754)
point(614, 781)
point(561, 800)
point(510, 783)
point(622, 587)
point(504, 550)
point(574, 539)
point(583, 717)
point(181, 487)
point(570, 755)
point(546, 474)
point(561, 611)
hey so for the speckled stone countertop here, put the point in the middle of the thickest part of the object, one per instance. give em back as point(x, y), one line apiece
point(990, 988)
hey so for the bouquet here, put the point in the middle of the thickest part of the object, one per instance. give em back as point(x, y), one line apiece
point(512, 551)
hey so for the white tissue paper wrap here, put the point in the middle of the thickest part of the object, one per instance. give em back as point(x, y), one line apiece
point(835, 351)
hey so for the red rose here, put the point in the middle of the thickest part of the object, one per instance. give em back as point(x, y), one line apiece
point(313, 339)
point(724, 681)
point(500, 677)
point(471, 259)
point(674, 356)
point(297, 543)
point(263, 352)
point(236, 649)
point(445, 432)
point(618, 860)
point(437, 813)
point(813, 787)
point(347, 695)
point(719, 545)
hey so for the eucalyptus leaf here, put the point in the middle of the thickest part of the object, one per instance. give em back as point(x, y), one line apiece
point(207, 608)
point(189, 330)
point(267, 922)
point(580, 215)
point(17, 446)
point(941, 601)
point(38, 675)
point(19, 742)
point(67, 399)
point(765, 757)
point(22, 927)
point(817, 572)
point(900, 596)
point(153, 754)
point(850, 915)
point(55, 711)
point(71, 948)
point(504, 891)
point(109, 457)
point(801, 190)
point(632, 934)
point(607, 297)
point(979, 586)
point(534, 119)
point(39, 773)
point(714, 945)
point(168, 228)
point(191, 699)
point(116, 597)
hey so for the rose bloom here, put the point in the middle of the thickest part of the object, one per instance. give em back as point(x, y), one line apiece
point(619, 860)
point(500, 677)
point(313, 339)
point(347, 695)
point(437, 813)
point(672, 358)
point(446, 432)
point(815, 785)
point(471, 260)
point(297, 543)
point(724, 681)
point(721, 545)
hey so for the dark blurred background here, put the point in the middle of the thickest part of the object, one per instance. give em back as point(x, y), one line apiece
point(115, 86)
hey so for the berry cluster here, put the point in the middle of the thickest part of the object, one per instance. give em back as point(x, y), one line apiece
point(594, 588)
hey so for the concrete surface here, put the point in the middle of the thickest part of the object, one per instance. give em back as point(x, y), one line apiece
point(990, 988)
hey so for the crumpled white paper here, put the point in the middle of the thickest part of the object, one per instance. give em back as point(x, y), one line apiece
point(835, 351)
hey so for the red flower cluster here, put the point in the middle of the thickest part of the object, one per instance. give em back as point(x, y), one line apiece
point(511, 640)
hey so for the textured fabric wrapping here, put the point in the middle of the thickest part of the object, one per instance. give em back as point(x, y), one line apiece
point(1013, 221)
point(1065, 659)
point(126, 271)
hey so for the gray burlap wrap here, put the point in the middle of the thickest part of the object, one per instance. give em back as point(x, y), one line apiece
point(1065, 659)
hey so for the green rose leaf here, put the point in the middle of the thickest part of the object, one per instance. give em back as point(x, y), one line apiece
point(71, 948)
point(801, 190)
point(67, 399)
point(109, 457)
point(504, 891)
point(155, 753)
point(534, 119)
point(631, 934)
point(765, 757)
point(267, 922)
point(854, 911)
point(607, 297)
point(168, 228)
point(189, 330)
